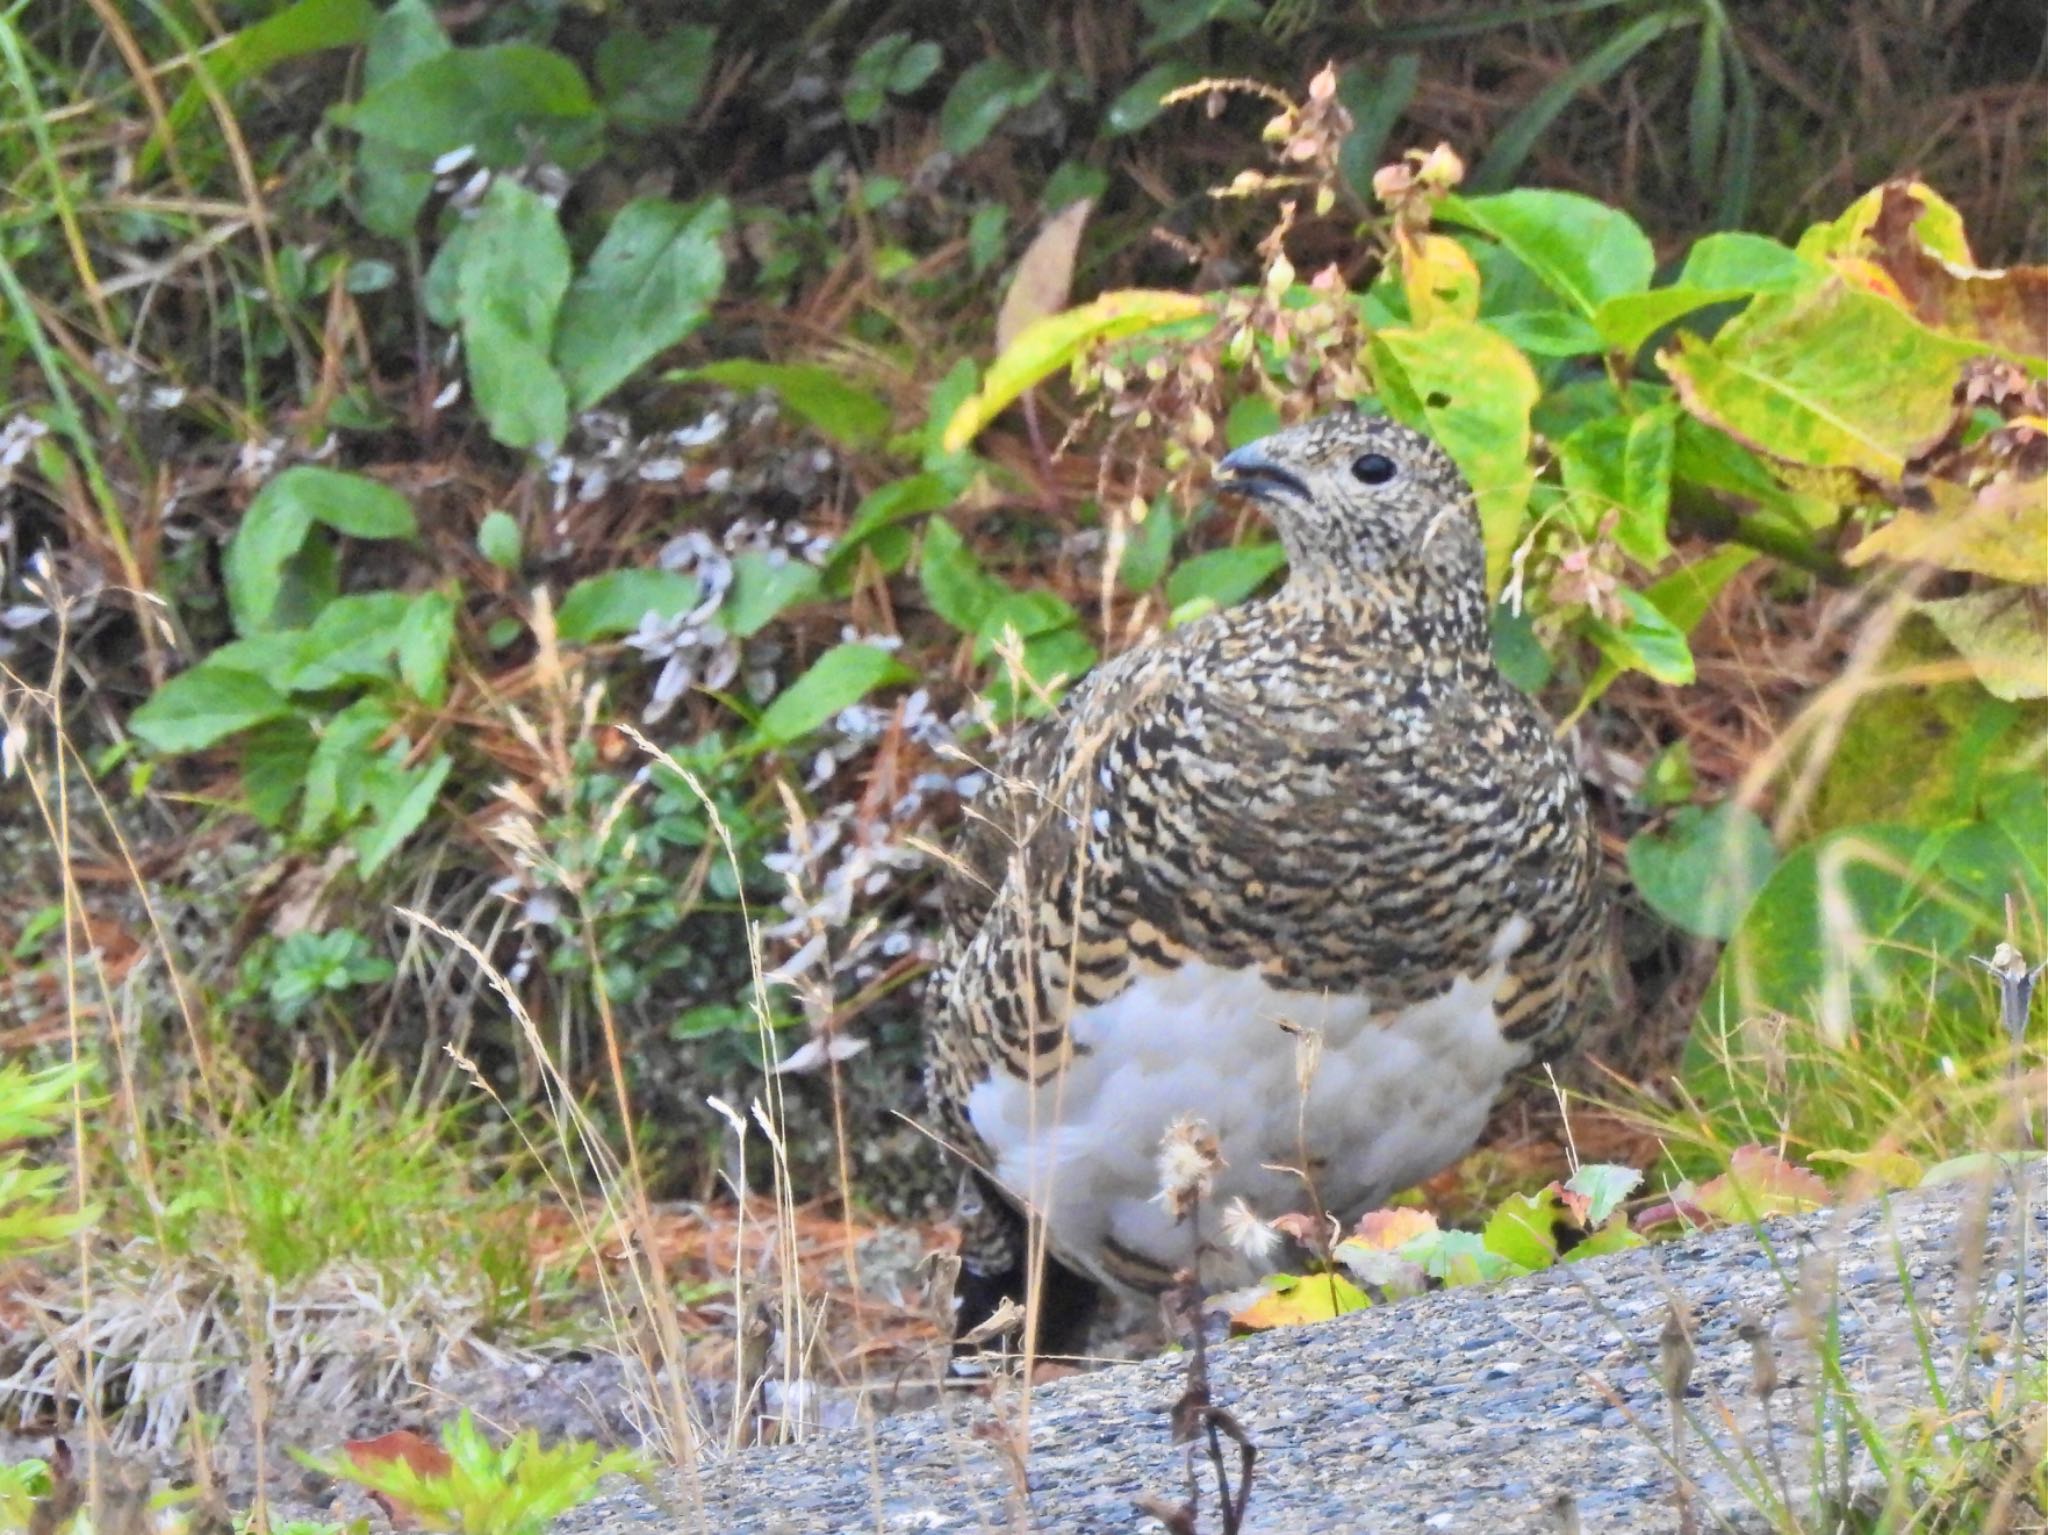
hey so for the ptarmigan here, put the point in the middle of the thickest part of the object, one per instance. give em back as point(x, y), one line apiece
point(1326, 812)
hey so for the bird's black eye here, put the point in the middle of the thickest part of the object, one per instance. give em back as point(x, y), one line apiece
point(1373, 468)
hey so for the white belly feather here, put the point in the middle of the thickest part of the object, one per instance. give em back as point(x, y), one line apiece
point(1393, 1099)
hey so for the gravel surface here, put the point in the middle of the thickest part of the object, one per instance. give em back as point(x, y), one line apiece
point(1472, 1409)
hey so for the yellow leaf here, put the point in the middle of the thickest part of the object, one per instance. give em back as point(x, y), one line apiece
point(2003, 633)
point(1044, 279)
point(1934, 221)
point(1439, 277)
point(1290, 1299)
point(1045, 346)
point(1999, 530)
point(1885, 1164)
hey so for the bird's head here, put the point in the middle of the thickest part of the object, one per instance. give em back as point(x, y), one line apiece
point(1368, 509)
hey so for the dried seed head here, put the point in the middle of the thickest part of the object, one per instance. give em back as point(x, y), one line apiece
point(1675, 1356)
point(1245, 1231)
point(1189, 1155)
point(1763, 1360)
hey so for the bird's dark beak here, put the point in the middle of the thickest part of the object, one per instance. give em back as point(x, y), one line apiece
point(1250, 472)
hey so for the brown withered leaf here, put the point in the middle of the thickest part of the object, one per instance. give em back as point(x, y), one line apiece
point(1044, 279)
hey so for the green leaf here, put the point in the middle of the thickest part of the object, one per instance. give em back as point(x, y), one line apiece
point(1026, 615)
point(1722, 268)
point(1604, 1186)
point(393, 184)
point(1584, 251)
point(426, 635)
point(1623, 464)
point(892, 65)
point(207, 704)
point(1148, 547)
point(275, 757)
point(1649, 642)
point(1700, 872)
point(514, 274)
point(982, 97)
point(398, 809)
point(650, 83)
point(1548, 332)
point(1250, 418)
point(649, 283)
point(1829, 377)
point(1138, 103)
point(1224, 576)
point(954, 583)
point(1472, 391)
point(342, 759)
point(308, 26)
point(762, 590)
point(504, 100)
point(498, 540)
point(615, 603)
point(274, 530)
point(892, 503)
point(353, 640)
point(817, 395)
point(1523, 1229)
point(1517, 651)
point(838, 679)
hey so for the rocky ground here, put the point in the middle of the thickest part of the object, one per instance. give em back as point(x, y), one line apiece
point(1538, 1405)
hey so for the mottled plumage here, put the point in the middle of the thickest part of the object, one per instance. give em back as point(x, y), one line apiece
point(1323, 811)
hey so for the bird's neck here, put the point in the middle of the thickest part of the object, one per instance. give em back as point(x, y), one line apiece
point(1443, 611)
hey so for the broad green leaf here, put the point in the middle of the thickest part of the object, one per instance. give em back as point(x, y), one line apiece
point(342, 759)
point(892, 503)
point(955, 585)
point(1025, 614)
point(497, 540)
point(1622, 464)
point(615, 603)
point(1548, 332)
point(274, 530)
point(651, 83)
point(762, 590)
point(1224, 576)
point(1583, 250)
point(982, 96)
point(838, 679)
point(307, 26)
point(1175, 21)
point(1458, 1258)
point(1472, 391)
point(426, 636)
point(393, 184)
point(892, 65)
point(1250, 418)
point(1648, 642)
point(1517, 651)
point(207, 704)
point(1701, 871)
point(1830, 377)
point(1046, 346)
point(275, 757)
point(1720, 269)
point(816, 395)
point(648, 284)
point(354, 639)
point(514, 273)
point(398, 808)
point(1138, 103)
point(1603, 1186)
point(504, 101)
point(1524, 1228)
